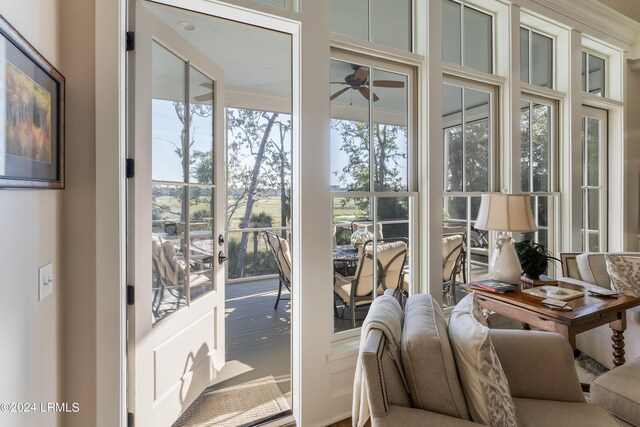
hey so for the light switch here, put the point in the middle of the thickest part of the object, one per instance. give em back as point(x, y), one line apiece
point(45, 281)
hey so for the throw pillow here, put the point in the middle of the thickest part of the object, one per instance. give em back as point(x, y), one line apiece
point(625, 273)
point(483, 381)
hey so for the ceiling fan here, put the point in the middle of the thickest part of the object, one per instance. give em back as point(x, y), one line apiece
point(359, 80)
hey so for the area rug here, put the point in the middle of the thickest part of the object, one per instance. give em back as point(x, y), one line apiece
point(588, 369)
point(235, 406)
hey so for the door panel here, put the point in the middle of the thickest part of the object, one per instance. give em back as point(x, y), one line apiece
point(176, 203)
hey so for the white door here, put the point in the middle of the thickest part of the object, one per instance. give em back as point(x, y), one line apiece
point(175, 223)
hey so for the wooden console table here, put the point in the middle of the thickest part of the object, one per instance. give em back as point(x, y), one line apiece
point(587, 312)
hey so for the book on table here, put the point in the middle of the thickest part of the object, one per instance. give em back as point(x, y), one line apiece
point(562, 294)
point(493, 286)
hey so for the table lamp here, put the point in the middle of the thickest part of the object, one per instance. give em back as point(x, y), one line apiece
point(505, 213)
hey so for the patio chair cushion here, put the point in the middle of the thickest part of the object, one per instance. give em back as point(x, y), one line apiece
point(283, 254)
point(483, 380)
point(428, 360)
point(451, 247)
point(387, 256)
point(625, 274)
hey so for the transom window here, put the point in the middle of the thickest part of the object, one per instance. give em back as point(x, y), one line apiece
point(467, 36)
point(536, 58)
point(387, 22)
point(593, 74)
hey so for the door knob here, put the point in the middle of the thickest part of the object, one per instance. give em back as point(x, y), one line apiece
point(222, 258)
point(221, 240)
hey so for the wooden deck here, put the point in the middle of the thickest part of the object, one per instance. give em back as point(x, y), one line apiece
point(258, 338)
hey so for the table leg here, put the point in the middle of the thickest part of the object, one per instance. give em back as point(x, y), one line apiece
point(618, 348)
point(526, 326)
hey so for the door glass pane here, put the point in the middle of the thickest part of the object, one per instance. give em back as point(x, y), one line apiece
point(390, 137)
point(524, 55)
point(453, 141)
point(451, 32)
point(476, 140)
point(203, 249)
point(593, 151)
point(541, 60)
point(168, 126)
point(593, 208)
point(350, 18)
point(168, 249)
point(201, 118)
point(525, 145)
point(391, 23)
point(596, 75)
point(478, 51)
point(350, 154)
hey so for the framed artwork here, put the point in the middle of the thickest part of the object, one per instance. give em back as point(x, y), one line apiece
point(31, 115)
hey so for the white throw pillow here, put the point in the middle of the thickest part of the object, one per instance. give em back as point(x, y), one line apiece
point(484, 382)
point(625, 273)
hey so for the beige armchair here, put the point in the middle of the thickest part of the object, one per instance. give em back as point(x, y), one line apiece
point(539, 368)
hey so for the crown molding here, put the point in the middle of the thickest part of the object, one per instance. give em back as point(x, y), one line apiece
point(623, 31)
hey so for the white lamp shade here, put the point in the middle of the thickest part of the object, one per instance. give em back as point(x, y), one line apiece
point(506, 212)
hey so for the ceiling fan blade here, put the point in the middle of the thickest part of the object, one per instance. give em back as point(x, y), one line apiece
point(208, 85)
point(364, 91)
point(338, 93)
point(388, 83)
point(361, 74)
point(207, 97)
point(338, 83)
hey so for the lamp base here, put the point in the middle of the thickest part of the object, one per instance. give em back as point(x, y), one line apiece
point(504, 265)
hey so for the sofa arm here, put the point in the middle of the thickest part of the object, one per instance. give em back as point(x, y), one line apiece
point(538, 365)
point(412, 417)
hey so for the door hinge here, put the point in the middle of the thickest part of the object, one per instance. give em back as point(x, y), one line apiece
point(129, 419)
point(131, 295)
point(130, 41)
point(131, 168)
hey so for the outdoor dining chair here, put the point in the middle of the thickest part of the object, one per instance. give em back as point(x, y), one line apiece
point(279, 247)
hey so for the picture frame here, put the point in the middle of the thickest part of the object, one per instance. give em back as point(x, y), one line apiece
point(31, 115)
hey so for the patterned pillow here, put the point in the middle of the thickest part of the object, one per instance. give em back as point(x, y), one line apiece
point(483, 380)
point(625, 273)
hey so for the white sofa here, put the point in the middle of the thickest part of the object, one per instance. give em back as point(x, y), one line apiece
point(589, 269)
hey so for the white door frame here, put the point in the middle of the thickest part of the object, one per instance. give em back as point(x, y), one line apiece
point(111, 78)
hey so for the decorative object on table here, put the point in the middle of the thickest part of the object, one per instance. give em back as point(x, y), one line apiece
point(505, 213)
point(32, 100)
point(562, 294)
point(534, 259)
point(493, 286)
point(361, 235)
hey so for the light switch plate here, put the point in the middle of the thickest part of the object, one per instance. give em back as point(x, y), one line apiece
point(45, 281)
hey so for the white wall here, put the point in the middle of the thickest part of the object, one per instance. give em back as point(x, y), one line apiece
point(31, 333)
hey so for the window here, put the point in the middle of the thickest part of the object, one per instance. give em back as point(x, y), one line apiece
point(594, 197)
point(387, 22)
point(593, 74)
point(467, 36)
point(537, 159)
point(536, 58)
point(468, 138)
point(371, 163)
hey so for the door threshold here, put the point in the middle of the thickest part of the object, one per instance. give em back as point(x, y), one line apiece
point(283, 419)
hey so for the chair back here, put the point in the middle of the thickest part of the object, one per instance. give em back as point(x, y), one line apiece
point(166, 263)
point(279, 247)
point(453, 255)
point(391, 256)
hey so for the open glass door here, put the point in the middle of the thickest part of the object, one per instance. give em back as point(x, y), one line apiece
point(175, 224)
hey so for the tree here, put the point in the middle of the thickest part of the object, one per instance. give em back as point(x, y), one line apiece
point(256, 163)
point(389, 160)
